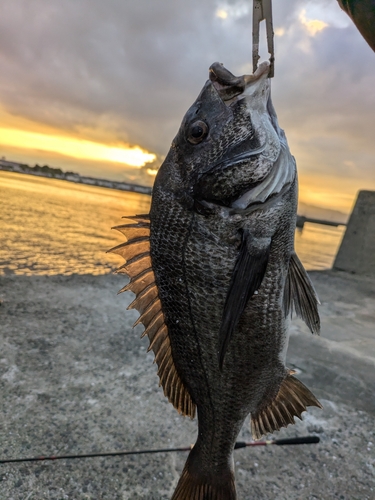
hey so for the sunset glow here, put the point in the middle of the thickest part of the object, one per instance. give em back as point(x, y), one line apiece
point(222, 14)
point(152, 171)
point(279, 32)
point(313, 26)
point(329, 191)
point(133, 156)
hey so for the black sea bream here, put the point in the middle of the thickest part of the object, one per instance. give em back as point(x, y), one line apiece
point(215, 275)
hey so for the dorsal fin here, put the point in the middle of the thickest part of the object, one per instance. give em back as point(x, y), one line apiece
point(136, 252)
point(291, 401)
point(140, 218)
point(300, 295)
point(133, 230)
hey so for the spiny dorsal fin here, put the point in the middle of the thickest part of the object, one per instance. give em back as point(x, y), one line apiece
point(140, 218)
point(136, 252)
point(291, 401)
point(300, 295)
point(132, 231)
point(140, 284)
point(133, 248)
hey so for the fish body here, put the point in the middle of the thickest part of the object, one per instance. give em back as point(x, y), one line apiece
point(216, 275)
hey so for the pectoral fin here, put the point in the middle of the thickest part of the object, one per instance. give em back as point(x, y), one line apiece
point(291, 401)
point(299, 294)
point(247, 277)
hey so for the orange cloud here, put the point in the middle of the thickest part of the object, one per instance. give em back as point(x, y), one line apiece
point(313, 26)
point(133, 156)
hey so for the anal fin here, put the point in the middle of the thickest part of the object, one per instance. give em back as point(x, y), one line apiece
point(300, 295)
point(291, 401)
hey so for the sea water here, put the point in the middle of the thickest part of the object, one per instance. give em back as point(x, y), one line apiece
point(50, 226)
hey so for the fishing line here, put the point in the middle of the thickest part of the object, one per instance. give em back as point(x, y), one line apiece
point(239, 444)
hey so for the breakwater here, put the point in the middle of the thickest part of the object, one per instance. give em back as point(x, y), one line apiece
point(357, 250)
point(54, 173)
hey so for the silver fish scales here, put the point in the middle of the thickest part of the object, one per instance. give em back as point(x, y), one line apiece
point(215, 275)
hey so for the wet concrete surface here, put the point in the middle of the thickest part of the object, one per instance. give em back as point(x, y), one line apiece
point(75, 378)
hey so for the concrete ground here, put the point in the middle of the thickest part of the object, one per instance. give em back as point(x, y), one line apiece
point(75, 378)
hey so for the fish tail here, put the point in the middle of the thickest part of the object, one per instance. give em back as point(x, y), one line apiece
point(200, 483)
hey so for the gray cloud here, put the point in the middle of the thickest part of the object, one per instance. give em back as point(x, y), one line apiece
point(127, 70)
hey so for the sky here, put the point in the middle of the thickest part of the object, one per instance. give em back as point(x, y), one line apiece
point(100, 88)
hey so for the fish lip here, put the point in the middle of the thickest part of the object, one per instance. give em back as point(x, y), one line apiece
point(260, 74)
point(232, 88)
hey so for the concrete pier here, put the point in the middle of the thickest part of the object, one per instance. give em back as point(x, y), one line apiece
point(75, 378)
point(357, 250)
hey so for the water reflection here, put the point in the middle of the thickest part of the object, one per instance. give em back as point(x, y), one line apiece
point(50, 226)
point(317, 245)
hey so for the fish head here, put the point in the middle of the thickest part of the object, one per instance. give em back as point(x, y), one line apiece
point(229, 139)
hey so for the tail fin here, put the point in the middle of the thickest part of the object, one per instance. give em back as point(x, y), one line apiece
point(199, 484)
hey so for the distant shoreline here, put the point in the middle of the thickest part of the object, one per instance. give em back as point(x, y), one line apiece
point(52, 173)
point(312, 214)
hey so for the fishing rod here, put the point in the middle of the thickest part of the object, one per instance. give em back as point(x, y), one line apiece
point(239, 444)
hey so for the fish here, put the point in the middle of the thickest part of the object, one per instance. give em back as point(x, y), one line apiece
point(216, 276)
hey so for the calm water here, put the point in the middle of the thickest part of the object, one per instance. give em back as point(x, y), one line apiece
point(49, 226)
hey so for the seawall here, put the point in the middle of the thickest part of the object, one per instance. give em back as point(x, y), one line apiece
point(357, 251)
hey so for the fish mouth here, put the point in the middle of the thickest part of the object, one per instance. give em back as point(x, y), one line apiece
point(231, 88)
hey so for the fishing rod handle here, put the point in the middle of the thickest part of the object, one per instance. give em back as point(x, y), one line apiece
point(298, 440)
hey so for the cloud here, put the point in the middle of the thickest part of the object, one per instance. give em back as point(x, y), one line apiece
point(233, 10)
point(326, 12)
point(126, 72)
point(313, 26)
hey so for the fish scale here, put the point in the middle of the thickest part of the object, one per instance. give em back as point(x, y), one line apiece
point(170, 280)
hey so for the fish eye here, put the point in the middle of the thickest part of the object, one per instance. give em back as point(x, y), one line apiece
point(197, 132)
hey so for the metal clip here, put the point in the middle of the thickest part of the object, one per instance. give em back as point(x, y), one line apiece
point(262, 10)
